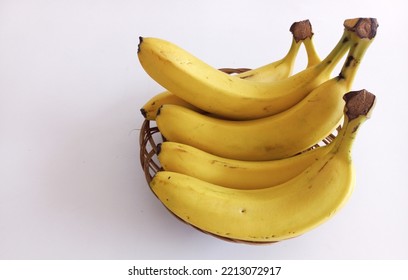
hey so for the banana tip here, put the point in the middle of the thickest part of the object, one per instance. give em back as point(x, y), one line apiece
point(143, 112)
point(158, 148)
point(140, 42)
point(159, 110)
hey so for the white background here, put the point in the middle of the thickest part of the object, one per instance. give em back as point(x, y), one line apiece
point(71, 87)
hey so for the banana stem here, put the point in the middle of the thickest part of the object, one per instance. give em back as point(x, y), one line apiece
point(352, 63)
point(362, 33)
point(301, 30)
point(362, 27)
point(337, 53)
point(312, 56)
point(292, 53)
point(358, 108)
point(355, 31)
point(359, 103)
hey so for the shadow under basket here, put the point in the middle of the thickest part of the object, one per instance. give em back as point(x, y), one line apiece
point(149, 139)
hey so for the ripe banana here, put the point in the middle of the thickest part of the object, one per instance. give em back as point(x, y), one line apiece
point(237, 174)
point(278, 136)
point(228, 96)
point(280, 69)
point(279, 212)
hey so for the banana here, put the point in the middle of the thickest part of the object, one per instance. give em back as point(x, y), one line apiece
point(238, 174)
point(280, 69)
point(228, 96)
point(278, 136)
point(281, 211)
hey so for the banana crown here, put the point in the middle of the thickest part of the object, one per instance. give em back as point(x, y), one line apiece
point(363, 27)
point(301, 30)
point(359, 104)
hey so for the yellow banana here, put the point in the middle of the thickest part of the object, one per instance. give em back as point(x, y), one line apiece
point(231, 173)
point(278, 136)
point(228, 96)
point(279, 212)
point(280, 69)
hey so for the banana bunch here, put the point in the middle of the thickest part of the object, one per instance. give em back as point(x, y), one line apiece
point(265, 154)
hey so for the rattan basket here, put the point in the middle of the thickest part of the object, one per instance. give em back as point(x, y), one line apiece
point(150, 137)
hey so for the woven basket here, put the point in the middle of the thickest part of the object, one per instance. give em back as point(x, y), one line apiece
point(150, 137)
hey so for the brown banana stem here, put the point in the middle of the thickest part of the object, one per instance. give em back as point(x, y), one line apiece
point(358, 103)
point(363, 27)
point(301, 30)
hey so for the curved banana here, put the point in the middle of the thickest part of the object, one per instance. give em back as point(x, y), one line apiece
point(278, 136)
point(278, 212)
point(280, 69)
point(228, 96)
point(236, 174)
